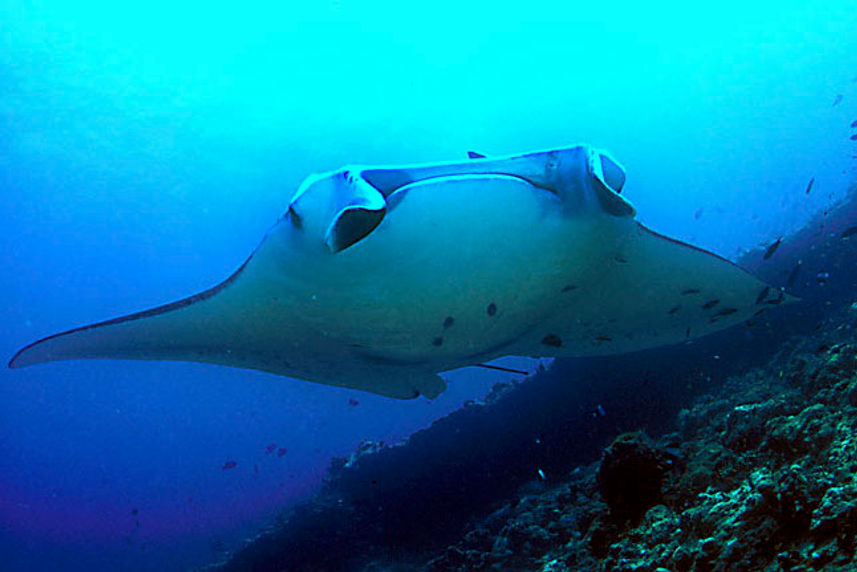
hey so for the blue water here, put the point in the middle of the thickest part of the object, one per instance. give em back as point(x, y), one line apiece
point(145, 151)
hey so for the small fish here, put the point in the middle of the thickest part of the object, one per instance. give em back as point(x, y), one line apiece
point(281, 451)
point(793, 275)
point(853, 137)
point(229, 465)
point(697, 213)
point(854, 124)
point(848, 232)
point(475, 155)
point(769, 252)
point(270, 448)
point(689, 291)
point(353, 402)
point(809, 186)
point(837, 100)
point(726, 311)
point(541, 475)
point(822, 277)
point(600, 410)
point(710, 304)
point(778, 300)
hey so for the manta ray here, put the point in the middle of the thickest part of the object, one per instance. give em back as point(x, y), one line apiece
point(379, 278)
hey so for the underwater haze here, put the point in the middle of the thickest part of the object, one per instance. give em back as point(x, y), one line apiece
point(145, 151)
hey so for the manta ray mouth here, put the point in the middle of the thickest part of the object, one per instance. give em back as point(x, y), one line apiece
point(389, 181)
point(598, 164)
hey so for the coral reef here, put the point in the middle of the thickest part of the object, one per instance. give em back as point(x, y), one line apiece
point(759, 475)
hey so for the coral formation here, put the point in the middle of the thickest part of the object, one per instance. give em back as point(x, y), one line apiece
point(763, 479)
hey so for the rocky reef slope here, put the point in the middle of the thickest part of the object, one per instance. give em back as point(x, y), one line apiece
point(760, 475)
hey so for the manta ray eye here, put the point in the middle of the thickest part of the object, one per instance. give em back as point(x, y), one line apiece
point(293, 216)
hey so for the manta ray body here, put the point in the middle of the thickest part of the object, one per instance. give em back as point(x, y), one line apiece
point(379, 278)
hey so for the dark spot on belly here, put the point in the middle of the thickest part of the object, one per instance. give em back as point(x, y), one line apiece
point(569, 288)
point(448, 322)
point(437, 342)
point(674, 309)
point(552, 340)
point(491, 309)
point(710, 304)
point(603, 338)
point(689, 291)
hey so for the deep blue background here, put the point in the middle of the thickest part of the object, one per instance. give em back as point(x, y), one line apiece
point(145, 150)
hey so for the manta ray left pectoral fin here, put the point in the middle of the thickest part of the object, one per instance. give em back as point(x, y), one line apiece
point(188, 329)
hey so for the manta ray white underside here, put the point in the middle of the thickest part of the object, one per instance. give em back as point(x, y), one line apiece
point(379, 278)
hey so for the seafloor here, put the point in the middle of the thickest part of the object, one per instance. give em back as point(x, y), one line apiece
point(759, 475)
point(735, 452)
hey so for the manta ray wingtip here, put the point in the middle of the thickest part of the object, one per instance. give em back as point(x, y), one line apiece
point(15, 362)
point(19, 359)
